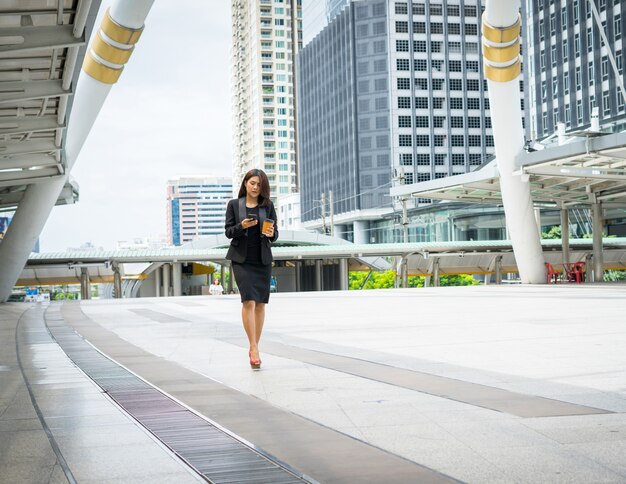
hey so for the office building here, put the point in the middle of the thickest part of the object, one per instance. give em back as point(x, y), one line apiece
point(288, 212)
point(389, 92)
point(196, 206)
point(569, 70)
point(266, 36)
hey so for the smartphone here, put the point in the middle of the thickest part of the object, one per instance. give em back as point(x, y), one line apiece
point(253, 216)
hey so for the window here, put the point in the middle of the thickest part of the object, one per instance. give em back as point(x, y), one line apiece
point(473, 122)
point(421, 103)
point(419, 27)
point(577, 45)
point(365, 143)
point(438, 121)
point(455, 66)
point(419, 46)
point(453, 11)
point(454, 28)
point(364, 124)
point(380, 47)
point(579, 111)
point(456, 121)
point(380, 65)
point(437, 84)
point(423, 160)
point(473, 85)
point(419, 9)
point(421, 177)
point(380, 103)
point(406, 159)
point(421, 122)
point(364, 105)
point(405, 139)
point(578, 77)
point(471, 29)
point(408, 178)
point(402, 27)
point(420, 64)
point(605, 67)
point(421, 83)
point(422, 140)
point(363, 68)
point(440, 159)
point(606, 106)
point(402, 45)
point(404, 103)
point(363, 86)
point(456, 103)
point(382, 141)
point(401, 8)
point(404, 121)
point(404, 83)
point(458, 159)
point(617, 26)
point(591, 74)
point(382, 122)
point(470, 11)
point(456, 84)
point(438, 102)
point(473, 103)
point(440, 140)
point(436, 28)
point(458, 140)
point(403, 64)
point(436, 10)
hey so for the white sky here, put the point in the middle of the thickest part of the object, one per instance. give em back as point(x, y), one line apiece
point(168, 115)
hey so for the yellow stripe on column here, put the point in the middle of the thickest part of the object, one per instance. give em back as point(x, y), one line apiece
point(109, 52)
point(501, 54)
point(503, 74)
point(100, 72)
point(119, 33)
point(501, 35)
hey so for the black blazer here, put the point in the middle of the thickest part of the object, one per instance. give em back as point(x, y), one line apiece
point(235, 213)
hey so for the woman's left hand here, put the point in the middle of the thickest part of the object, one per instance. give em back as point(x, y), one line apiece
point(269, 232)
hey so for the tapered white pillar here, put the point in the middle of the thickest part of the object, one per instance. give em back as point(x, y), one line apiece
point(166, 280)
point(157, 282)
point(177, 279)
point(502, 64)
point(111, 48)
point(598, 257)
point(565, 234)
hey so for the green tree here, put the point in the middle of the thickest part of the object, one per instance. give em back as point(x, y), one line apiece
point(553, 233)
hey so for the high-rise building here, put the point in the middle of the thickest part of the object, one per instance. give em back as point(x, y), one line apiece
point(389, 92)
point(569, 69)
point(196, 206)
point(266, 36)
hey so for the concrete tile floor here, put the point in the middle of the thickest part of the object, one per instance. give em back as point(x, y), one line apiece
point(563, 342)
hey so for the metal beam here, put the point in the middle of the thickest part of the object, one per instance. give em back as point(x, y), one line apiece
point(26, 147)
point(26, 39)
point(29, 124)
point(13, 92)
point(573, 172)
point(18, 177)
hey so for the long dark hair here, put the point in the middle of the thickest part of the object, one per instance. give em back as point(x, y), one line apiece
point(264, 195)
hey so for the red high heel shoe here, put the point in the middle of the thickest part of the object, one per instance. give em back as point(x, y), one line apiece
point(254, 364)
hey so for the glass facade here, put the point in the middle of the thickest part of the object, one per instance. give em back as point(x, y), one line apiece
point(568, 68)
point(391, 92)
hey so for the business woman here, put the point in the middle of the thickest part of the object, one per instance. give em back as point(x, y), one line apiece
point(251, 254)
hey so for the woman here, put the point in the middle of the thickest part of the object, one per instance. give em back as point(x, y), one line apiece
point(251, 254)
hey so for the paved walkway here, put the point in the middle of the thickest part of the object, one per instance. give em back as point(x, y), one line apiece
point(475, 384)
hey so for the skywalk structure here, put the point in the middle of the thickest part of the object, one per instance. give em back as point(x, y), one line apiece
point(39, 150)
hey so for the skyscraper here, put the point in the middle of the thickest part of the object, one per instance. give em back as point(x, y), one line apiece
point(196, 206)
point(389, 92)
point(266, 36)
point(569, 68)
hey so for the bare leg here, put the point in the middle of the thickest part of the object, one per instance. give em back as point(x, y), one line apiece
point(259, 318)
point(248, 319)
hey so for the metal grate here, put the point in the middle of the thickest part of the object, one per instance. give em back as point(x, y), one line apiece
point(217, 455)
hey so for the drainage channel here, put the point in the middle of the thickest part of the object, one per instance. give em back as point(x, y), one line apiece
point(216, 454)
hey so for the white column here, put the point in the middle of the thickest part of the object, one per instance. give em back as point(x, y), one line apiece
point(103, 65)
point(319, 275)
point(177, 276)
point(361, 231)
point(502, 69)
point(598, 258)
point(343, 274)
point(157, 282)
point(166, 280)
point(565, 234)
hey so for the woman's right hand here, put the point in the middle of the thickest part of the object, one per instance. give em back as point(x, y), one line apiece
point(249, 222)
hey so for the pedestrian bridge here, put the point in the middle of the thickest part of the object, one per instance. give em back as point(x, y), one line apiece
point(303, 261)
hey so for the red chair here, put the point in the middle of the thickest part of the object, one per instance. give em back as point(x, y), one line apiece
point(552, 275)
point(575, 272)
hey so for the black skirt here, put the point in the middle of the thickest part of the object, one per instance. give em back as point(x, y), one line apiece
point(253, 281)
